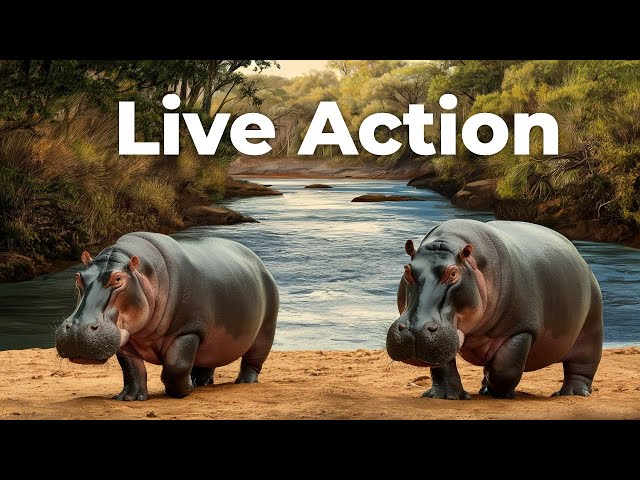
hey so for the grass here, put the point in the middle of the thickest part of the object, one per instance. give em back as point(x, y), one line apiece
point(65, 187)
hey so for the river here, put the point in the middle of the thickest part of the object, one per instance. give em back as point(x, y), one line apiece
point(337, 265)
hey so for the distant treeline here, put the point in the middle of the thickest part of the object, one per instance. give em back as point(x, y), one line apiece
point(596, 104)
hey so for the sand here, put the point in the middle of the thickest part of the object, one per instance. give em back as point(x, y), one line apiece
point(360, 384)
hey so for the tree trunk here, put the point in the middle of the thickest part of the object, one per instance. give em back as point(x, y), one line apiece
point(224, 100)
point(194, 94)
point(209, 90)
point(183, 88)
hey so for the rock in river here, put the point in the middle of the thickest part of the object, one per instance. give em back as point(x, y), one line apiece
point(379, 197)
point(480, 195)
point(318, 185)
point(214, 215)
point(242, 188)
point(15, 267)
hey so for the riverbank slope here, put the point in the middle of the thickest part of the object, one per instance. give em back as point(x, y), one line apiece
point(192, 208)
point(357, 384)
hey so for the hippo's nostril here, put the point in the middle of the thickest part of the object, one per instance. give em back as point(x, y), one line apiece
point(67, 326)
point(432, 328)
point(94, 327)
point(401, 326)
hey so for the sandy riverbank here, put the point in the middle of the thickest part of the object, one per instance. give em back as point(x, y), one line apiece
point(360, 384)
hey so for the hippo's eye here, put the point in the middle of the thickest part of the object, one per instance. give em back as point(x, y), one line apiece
point(117, 280)
point(450, 274)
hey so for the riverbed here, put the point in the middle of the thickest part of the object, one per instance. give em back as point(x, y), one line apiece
point(337, 265)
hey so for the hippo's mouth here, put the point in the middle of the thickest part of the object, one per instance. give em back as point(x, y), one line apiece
point(87, 361)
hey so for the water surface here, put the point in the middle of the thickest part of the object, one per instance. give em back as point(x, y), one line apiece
point(337, 265)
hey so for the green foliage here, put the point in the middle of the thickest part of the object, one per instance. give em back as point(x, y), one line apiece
point(63, 184)
point(597, 107)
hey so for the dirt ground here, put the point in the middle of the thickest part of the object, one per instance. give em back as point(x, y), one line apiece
point(360, 384)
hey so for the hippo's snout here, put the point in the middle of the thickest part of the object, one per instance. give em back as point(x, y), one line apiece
point(422, 343)
point(400, 342)
point(87, 341)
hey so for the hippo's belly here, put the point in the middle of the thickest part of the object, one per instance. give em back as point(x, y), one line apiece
point(220, 348)
point(549, 349)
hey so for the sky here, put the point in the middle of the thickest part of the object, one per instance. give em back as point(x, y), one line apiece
point(294, 68)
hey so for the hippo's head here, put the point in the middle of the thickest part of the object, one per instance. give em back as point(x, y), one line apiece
point(112, 305)
point(444, 289)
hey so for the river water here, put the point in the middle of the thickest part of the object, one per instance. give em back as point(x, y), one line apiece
point(337, 265)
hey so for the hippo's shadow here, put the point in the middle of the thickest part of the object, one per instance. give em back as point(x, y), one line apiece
point(159, 395)
point(221, 387)
point(519, 396)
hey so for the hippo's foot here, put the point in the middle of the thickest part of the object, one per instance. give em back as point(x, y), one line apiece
point(201, 376)
point(574, 388)
point(177, 382)
point(131, 393)
point(447, 392)
point(178, 391)
point(576, 383)
point(486, 390)
point(446, 383)
point(247, 374)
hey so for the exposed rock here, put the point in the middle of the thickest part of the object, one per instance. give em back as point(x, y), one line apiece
point(214, 215)
point(446, 188)
point(479, 195)
point(568, 220)
point(16, 268)
point(379, 197)
point(318, 185)
point(242, 188)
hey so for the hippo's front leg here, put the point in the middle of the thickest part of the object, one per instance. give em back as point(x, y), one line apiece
point(446, 383)
point(506, 367)
point(135, 376)
point(177, 365)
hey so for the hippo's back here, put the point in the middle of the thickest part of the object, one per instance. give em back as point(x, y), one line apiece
point(538, 240)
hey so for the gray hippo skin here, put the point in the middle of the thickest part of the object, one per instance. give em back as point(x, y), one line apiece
point(509, 296)
point(188, 305)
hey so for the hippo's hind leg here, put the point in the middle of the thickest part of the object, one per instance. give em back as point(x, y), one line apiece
point(582, 361)
point(201, 376)
point(256, 355)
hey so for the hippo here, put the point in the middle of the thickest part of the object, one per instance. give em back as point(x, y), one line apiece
point(509, 296)
point(190, 305)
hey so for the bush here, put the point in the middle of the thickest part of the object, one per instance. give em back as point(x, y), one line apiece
point(65, 187)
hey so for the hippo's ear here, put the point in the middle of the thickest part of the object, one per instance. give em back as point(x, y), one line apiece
point(86, 258)
point(409, 248)
point(134, 263)
point(466, 252)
